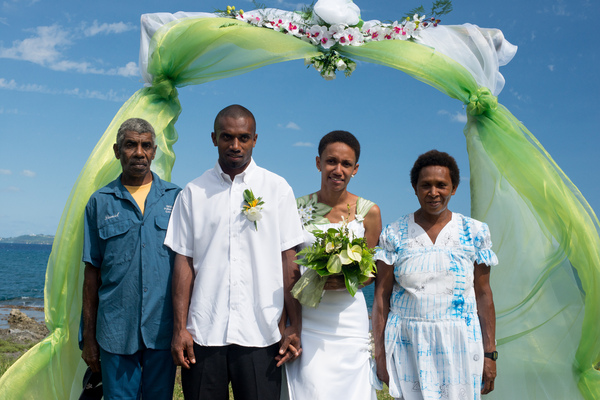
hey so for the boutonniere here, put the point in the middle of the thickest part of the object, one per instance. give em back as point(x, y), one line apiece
point(252, 207)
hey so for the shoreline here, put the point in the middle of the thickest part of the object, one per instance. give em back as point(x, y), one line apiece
point(34, 312)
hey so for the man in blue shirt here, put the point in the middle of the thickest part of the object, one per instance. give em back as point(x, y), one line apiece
point(127, 307)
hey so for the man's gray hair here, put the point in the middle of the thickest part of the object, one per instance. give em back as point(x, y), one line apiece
point(136, 125)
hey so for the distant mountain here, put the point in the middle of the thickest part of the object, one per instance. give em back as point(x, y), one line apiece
point(29, 239)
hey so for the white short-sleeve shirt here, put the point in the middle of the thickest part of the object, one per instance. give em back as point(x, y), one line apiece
point(238, 288)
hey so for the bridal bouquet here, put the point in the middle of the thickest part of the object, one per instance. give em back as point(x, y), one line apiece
point(334, 252)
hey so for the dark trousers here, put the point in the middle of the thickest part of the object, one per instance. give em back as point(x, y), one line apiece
point(252, 372)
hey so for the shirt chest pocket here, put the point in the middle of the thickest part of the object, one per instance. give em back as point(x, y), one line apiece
point(119, 241)
point(161, 224)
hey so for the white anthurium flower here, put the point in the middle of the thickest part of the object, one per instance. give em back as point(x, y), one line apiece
point(355, 252)
point(334, 264)
point(253, 214)
point(351, 254)
point(337, 11)
point(329, 247)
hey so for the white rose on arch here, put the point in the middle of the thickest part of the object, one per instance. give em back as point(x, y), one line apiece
point(338, 12)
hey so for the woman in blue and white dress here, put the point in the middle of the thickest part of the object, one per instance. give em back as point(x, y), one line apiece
point(432, 295)
point(336, 360)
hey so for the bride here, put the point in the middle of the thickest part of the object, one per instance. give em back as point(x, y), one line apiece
point(336, 359)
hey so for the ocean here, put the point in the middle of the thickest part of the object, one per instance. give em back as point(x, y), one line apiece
point(23, 273)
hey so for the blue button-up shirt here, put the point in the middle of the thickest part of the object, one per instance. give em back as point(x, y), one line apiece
point(135, 307)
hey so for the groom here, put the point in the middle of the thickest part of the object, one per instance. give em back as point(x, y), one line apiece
point(233, 271)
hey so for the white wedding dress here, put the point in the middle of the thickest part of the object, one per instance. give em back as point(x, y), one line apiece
point(336, 360)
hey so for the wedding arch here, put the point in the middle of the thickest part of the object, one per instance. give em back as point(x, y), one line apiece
point(547, 237)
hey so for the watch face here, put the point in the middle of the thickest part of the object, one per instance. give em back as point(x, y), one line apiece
point(493, 355)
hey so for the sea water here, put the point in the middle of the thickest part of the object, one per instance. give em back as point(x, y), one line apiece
point(23, 273)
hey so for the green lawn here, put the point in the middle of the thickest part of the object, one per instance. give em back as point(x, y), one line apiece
point(178, 394)
point(7, 361)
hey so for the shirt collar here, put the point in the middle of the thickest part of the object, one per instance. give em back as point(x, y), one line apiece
point(225, 178)
point(120, 190)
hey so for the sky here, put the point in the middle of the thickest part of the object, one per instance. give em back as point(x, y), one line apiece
point(66, 67)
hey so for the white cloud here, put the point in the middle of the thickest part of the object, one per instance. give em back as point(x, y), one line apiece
point(96, 28)
point(454, 117)
point(12, 189)
point(5, 172)
point(560, 9)
point(111, 95)
point(551, 68)
point(131, 69)
point(518, 95)
point(7, 111)
point(289, 125)
point(28, 173)
point(292, 125)
point(43, 48)
point(48, 44)
point(303, 144)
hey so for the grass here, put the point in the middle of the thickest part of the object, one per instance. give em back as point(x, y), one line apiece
point(10, 352)
point(178, 393)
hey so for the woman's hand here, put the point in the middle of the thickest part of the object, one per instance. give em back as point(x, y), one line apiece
point(489, 374)
point(382, 372)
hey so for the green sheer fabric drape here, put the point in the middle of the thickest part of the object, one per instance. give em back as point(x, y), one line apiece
point(541, 226)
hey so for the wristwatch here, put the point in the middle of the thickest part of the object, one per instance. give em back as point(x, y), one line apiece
point(493, 355)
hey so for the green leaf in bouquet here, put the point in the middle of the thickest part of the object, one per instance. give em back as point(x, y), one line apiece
point(351, 280)
point(323, 272)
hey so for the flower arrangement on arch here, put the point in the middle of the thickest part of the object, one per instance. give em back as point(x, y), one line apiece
point(334, 252)
point(330, 23)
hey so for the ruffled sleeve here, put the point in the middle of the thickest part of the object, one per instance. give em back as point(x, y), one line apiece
point(483, 247)
point(363, 206)
point(389, 244)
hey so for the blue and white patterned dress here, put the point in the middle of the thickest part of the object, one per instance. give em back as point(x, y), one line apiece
point(433, 338)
